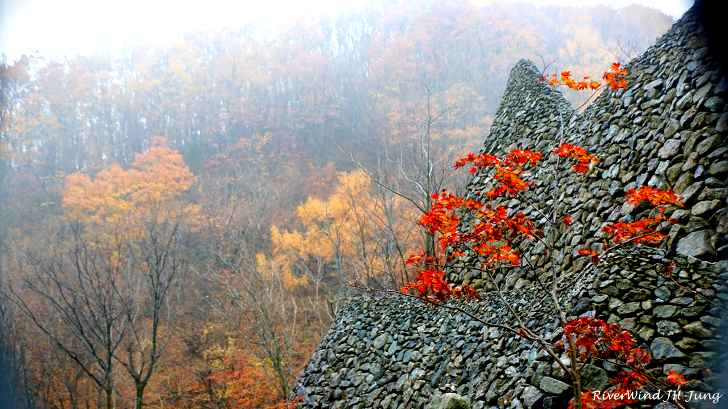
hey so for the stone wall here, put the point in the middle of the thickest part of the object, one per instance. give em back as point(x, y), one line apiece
point(666, 130)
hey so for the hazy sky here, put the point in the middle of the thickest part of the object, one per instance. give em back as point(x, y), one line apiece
point(59, 26)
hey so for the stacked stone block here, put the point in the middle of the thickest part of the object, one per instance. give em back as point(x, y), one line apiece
point(667, 130)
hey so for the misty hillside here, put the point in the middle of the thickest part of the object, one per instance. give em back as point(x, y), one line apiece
point(180, 218)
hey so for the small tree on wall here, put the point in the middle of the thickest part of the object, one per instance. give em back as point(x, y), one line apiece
point(482, 236)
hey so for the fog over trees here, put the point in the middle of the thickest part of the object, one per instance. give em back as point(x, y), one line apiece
point(179, 221)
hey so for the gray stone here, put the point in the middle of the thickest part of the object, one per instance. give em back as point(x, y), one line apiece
point(682, 301)
point(714, 103)
point(696, 223)
point(581, 306)
point(369, 399)
point(696, 244)
point(386, 401)
point(553, 386)
point(689, 164)
point(663, 348)
point(718, 168)
point(668, 328)
point(687, 343)
point(713, 182)
point(594, 378)
point(669, 149)
point(713, 345)
point(692, 311)
point(703, 207)
point(628, 324)
point(538, 375)
point(683, 182)
point(709, 194)
point(448, 401)
point(707, 145)
point(680, 369)
point(722, 125)
point(493, 390)
point(646, 333)
point(638, 294)
point(530, 396)
point(684, 101)
point(702, 92)
point(716, 322)
point(614, 303)
point(674, 172)
point(664, 311)
point(656, 84)
point(698, 330)
point(691, 192)
point(380, 341)
point(628, 308)
point(662, 293)
point(393, 348)
point(702, 360)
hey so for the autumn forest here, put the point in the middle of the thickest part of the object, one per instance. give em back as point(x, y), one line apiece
point(180, 221)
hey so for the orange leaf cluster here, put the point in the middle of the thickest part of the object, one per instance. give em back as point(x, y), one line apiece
point(489, 238)
point(508, 171)
point(656, 196)
point(431, 287)
point(569, 82)
point(595, 338)
point(615, 77)
point(594, 255)
point(641, 230)
point(577, 153)
point(491, 235)
point(675, 379)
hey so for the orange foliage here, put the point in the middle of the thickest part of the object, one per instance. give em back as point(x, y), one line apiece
point(577, 153)
point(595, 338)
point(614, 78)
point(245, 382)
point(674, 378)
point(490, 235)
point(508, 170)
point(431, 287)
point(642, 230)
point(594, 255)
point(155, 177)
point(486, 237)
point(656, 196)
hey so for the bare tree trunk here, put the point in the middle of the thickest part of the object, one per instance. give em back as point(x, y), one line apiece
point(70, 296)
point(154, 271)
point(255, 304)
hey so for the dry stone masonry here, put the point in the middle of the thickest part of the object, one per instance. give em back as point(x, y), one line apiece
point(667, 130)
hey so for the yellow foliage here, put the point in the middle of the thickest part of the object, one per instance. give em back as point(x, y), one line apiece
point(349, 232)
point(269, 268)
